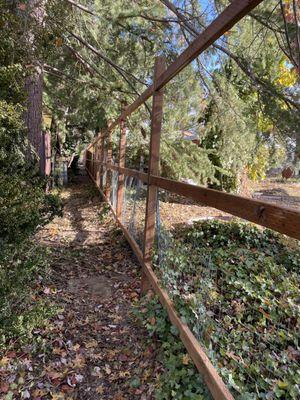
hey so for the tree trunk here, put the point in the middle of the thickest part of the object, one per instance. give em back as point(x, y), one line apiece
point(34, 83)
point(33, 116)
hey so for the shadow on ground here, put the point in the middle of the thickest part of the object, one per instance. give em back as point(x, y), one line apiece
point(98, 349)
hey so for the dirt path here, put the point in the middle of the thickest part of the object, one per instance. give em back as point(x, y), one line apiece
point(96, 350)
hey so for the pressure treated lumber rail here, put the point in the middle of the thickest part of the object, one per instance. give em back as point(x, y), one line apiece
point(224, 22)
point(98, 160)
point(213, 381)
point(281, 219)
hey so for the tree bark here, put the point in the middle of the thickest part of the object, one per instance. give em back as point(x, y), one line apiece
point(33, 115)
point(34, 84)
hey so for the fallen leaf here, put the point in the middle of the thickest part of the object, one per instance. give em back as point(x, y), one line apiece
point(22, 6)
point(186, 359)
point(92, 343)
point(107, 369)
point(97, 372)
point(100, 389)
point(4, 361)
point(79, 361)
point(57, 396)
point(4, 387)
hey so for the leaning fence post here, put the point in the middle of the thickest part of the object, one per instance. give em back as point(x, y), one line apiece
point(108, 161)
point(153, 168)
point(122, 149)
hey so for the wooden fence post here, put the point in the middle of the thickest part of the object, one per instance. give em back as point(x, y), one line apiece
point(153, 169)
point(108, 160)
point(122, 149)
point(102, 153)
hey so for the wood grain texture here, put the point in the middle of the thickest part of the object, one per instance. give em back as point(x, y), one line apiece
point(154, 157)
point(122, 150)
point(213, 381)
point(236, 10)
point(109, 158)
point(279, 218)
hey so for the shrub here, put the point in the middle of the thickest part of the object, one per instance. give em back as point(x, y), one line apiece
point(23, 206)
point(21, 267)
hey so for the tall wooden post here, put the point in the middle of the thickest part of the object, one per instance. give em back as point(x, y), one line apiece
point(102, 153)
point(108, 160)
point(45, 154)
point(153, 169)
point(122, 149)
point(98, 166)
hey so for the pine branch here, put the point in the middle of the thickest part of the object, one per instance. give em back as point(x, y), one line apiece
point(82, 8)
point(243, 65)
point(118, 69)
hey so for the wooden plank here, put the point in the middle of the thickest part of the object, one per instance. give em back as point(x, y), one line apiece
point(102, 154)
point(279, 218)
point(129, 172)
point(122, 149)
point(154, 157)
point(214, 382)
point(236, 10)
point(109, 158)
point(97, 164)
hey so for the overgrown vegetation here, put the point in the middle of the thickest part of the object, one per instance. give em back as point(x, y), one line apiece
point(23, 264)
point(180, 379)
point(22, 268)
point(237, 287)
point(24, 205)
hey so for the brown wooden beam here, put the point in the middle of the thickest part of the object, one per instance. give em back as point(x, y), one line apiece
point(122, 149)
point(279, 218)
point(236, 10)
point(154, 157)
point(109, 159)
point(213, 381)
point(102, 155)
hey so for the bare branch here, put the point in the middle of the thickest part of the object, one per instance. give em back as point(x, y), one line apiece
point(246, 68)
point(287, 34)
point(82, 8)
point(120, 70)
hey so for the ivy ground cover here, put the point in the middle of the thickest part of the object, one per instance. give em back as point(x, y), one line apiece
point(237, 287)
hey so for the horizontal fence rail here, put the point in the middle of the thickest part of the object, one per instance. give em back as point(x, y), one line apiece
point(224, 22)
point(110, 180)
point(278, 218)
point(212, 379)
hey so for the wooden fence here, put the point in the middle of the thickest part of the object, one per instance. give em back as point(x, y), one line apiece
point(99, 162)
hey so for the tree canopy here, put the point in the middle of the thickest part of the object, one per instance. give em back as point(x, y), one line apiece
point(239, 100)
